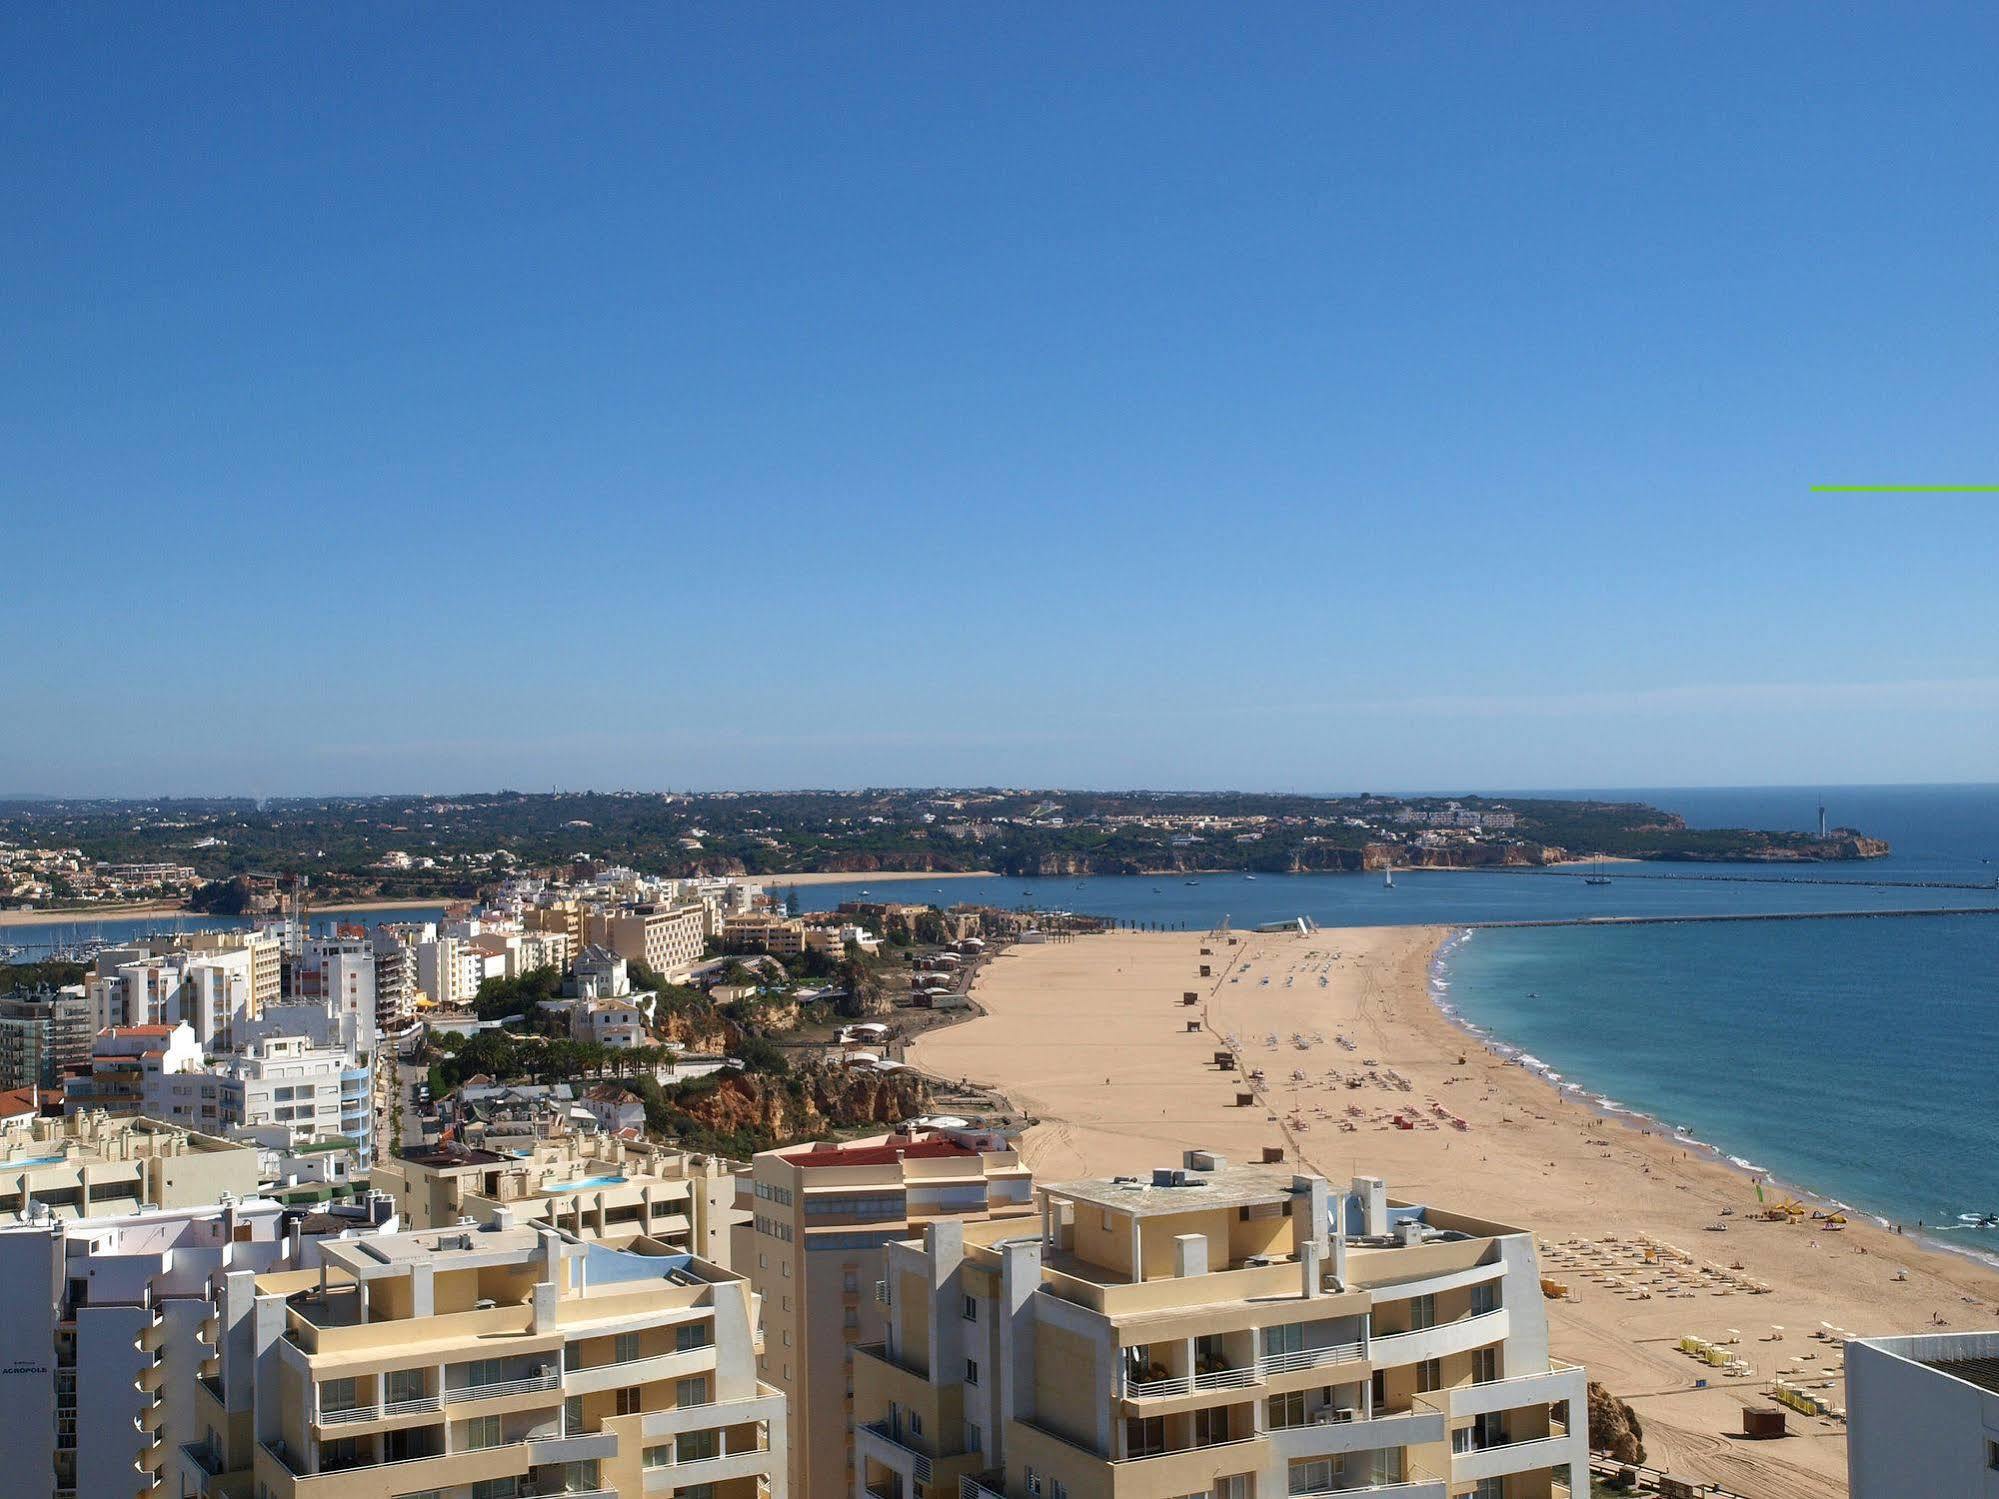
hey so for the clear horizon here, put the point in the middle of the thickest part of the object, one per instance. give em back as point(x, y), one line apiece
point(1119, 397)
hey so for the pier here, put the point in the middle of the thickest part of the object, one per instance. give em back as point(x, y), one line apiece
point(1768, 879)
point(1731, 916)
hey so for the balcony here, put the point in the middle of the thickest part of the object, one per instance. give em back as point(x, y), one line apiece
point(203, 1457)
point(893, 1452)
point(1313, 1358)
point(1462, 1336)
point(416, 1405)
point(1559, 1381)
point(990, 1484)
point(1331, 1437)
point(638, 1371)
point(1502, 1458)
point(1420, 1486)
point(1187, 1384)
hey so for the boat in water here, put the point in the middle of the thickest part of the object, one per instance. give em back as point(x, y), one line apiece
point(1388, 879)
point(1596, 879)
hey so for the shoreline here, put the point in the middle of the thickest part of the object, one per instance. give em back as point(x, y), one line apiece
point(93, 913)
point(1087, 1040)
point(1570, 1089)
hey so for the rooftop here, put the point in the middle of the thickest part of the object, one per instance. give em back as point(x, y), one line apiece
point(1183, 1191)
point(444, 1157)
point(874, 1154)
point(1983, 1372)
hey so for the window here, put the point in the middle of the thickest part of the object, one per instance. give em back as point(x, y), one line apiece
point(624, 1347)
point(572, 1415)
point(975, 1437)
point(695, 1491)
point(486, 1371)
point(1034, 1478)
point(697, 1446)
point(1235, 1485)
point(1318, 1475)
point(1144, 1436)
point(1422, 1312)
point(1057, 1489)
point(1429, 1375)
point(971, 1371)
point(1211, 1425)
point(1484, 1298)
point(629, 1400)
point(497, 1488)
point(850, 1282)
point(580, 1477)
point(689, 1336)
point(916, 1423)
point(336, 1395)
point(1281, 1340)
point(970, 1310)
point(1484, 1365)
point(1287, 1410)
point(483, 1431)
point(658, 1457)
point(403, 1384)
point(691, 1391)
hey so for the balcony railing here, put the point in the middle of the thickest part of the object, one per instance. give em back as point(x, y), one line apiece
point(1183, 1384)
point(548, 1379)
point(1236, 1379)
point(982, 1486)
point(1312, 1358)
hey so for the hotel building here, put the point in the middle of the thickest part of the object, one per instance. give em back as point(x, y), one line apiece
point(504, 1361)
point(820, 1216)
point(596, 1187)
point(1222, 1331)
point(667, 939)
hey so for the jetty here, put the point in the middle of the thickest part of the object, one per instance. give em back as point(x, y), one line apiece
point(1731, 916)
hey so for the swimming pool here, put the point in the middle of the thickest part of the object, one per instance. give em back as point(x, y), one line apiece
point(584, 1185)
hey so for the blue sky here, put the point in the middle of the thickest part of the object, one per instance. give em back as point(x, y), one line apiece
point(1307, 397)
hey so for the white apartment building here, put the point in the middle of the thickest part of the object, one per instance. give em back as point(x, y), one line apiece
point(449, 970)
point(283, 1092)
point(340, 973)
point(1922, 1416)
point(111, 1324)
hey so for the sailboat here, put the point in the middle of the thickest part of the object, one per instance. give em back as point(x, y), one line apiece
point(1388, 879)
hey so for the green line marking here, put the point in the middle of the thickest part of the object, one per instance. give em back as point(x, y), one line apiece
point(1905, 489)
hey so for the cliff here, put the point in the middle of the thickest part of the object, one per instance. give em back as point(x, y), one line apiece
point(743, 1112)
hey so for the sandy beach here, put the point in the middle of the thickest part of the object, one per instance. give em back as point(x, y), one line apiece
point(1090, 1037)
point(88, 915)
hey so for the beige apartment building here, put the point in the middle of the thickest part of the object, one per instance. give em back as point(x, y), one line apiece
point(1233, 1332)
point(669, 940)
point(597, 1187)
point(498, 1362)
point(819, 1217)
point(92, 1165)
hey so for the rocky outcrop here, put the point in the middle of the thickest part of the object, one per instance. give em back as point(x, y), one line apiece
point(1613, 1426)
point(806, 1105)
point(1461, 856)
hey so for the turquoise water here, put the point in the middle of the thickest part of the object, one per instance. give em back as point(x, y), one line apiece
point(1856, 1059)
point(585, 1184)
